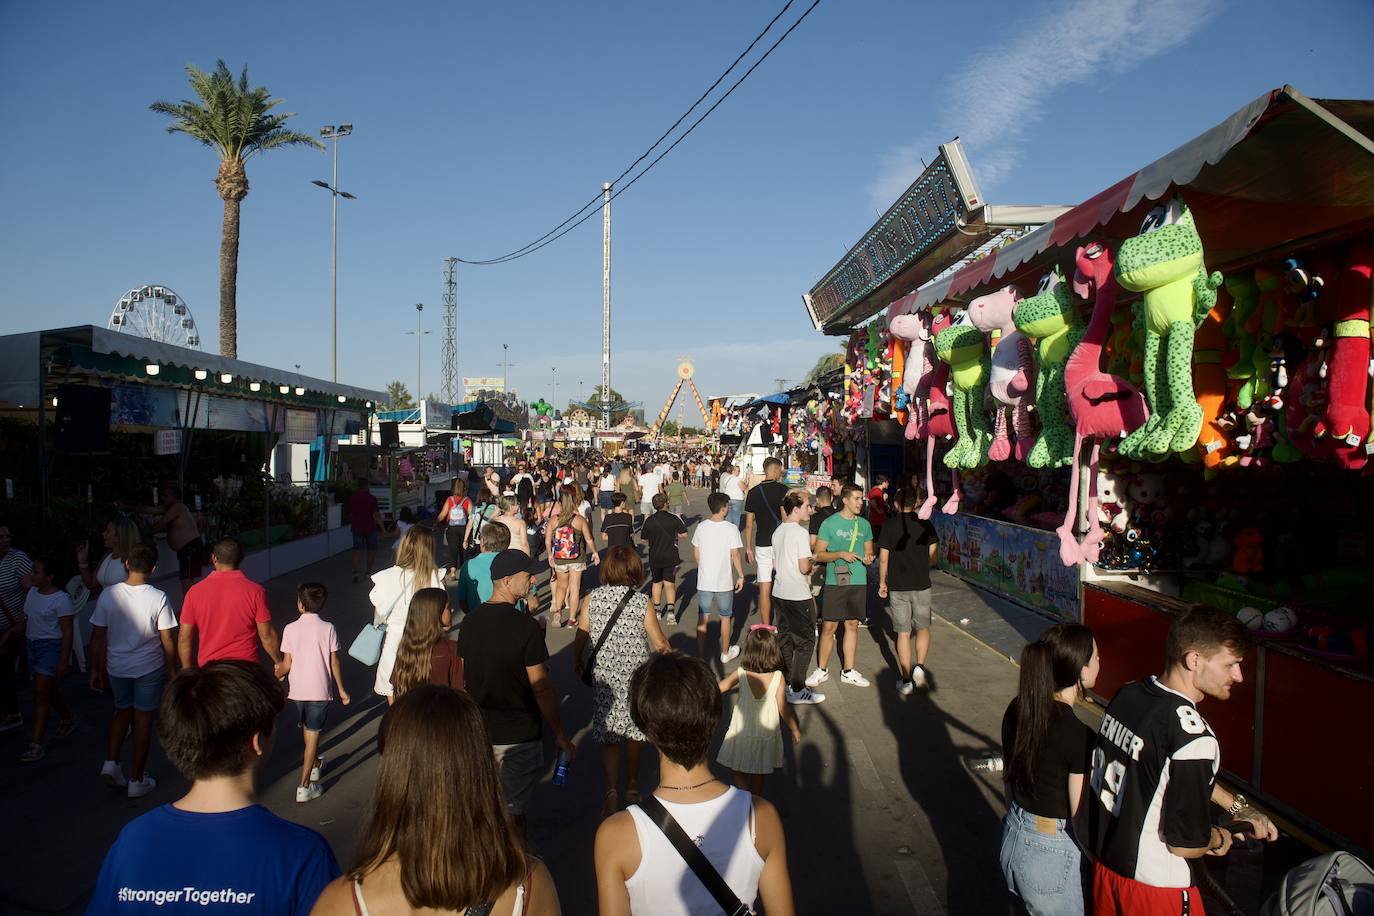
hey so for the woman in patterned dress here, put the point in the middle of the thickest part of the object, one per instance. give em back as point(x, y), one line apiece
point(635, 634)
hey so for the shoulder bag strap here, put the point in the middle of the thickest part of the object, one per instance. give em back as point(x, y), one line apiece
point(696, 860)
point(610, 625)
point(399, 594)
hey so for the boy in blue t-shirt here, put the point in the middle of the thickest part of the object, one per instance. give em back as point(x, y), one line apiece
point(215, 845)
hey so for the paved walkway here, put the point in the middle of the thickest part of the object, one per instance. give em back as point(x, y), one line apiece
point(881, 815)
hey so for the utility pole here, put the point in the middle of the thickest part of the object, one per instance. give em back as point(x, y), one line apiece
point(606, 304)
point(419, 341)
point(554, 398)
point(450, 357)
point(505, 351)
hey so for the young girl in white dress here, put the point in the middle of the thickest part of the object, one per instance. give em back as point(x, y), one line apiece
point(753, 743)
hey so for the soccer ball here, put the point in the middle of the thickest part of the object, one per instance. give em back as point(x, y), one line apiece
point(1252, 617)
point(1280, 620)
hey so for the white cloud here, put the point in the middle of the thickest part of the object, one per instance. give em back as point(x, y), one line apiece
point(991, 101)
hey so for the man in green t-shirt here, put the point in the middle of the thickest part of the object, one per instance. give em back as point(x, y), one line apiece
point(845, 544)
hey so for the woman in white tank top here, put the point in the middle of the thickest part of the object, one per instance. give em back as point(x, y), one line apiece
point(638, 869)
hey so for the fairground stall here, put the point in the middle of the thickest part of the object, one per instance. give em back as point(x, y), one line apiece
point(938, 224)
point(92, 416)
point(1175, 377)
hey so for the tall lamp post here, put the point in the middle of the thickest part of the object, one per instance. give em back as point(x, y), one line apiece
point(330, 132)
point(554, 398)
point(505, 351)
point(419, 339)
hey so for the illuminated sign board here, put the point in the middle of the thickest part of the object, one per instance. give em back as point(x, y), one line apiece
point(472, 385)
point(923, 217)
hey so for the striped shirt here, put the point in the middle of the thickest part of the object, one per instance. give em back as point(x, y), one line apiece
point(13, 565)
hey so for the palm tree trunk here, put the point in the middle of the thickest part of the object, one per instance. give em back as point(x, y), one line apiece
point(229, 279)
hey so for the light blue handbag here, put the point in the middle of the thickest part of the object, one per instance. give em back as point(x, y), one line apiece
point(367, 646)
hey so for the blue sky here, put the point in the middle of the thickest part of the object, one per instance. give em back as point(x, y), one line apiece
point(480, 126)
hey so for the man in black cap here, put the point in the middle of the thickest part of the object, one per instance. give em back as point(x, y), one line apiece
point(504, 666)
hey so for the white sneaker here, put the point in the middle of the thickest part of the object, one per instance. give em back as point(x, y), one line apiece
point(817, 677)
point(315, 770)
point(308, 793)
point(905, 688)
point(727, 657)
point(852, 676)
point(141, 787)
point(804, 697)
point(112, 774)
point(918, 675)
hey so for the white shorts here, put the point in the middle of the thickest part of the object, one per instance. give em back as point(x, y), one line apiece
point(763, 558)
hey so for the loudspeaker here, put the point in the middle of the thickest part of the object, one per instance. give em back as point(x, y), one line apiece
point(390, 434)
point(83, 419)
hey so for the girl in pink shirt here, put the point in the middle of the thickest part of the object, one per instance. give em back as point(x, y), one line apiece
point(310, 655)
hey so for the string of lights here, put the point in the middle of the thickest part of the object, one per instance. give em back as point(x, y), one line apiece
point(587, 210)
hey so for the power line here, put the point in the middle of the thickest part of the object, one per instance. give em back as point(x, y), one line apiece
point(585, 213)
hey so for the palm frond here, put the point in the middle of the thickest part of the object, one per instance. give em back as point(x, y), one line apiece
point(229, 116)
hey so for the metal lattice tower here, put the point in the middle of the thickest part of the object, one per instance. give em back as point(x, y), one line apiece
point(450, 358)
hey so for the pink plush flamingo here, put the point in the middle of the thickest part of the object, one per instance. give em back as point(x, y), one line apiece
point(939, 422)
point(1012, 380)
point(1101, 404)
point(919, 368)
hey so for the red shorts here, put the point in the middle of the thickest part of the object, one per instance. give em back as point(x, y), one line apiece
point(1114, 895)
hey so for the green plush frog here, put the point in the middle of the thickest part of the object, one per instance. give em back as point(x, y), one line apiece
point(1165, 263)
point(1052, 319)
point(965, 349)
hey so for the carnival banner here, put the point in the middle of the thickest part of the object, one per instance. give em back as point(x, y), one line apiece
point(1020, 564)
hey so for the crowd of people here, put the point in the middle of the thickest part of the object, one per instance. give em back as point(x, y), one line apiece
point(477, 699)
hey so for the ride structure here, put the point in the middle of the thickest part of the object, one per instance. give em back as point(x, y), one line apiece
point(155, 312)
point(685, 371)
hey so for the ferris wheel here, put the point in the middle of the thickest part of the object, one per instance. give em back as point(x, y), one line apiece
point(157, 313)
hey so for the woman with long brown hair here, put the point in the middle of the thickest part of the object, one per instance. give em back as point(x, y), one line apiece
point(635, 633)
point(392, 589)
point(568, 540)
point(426, 654)
point(432, 840)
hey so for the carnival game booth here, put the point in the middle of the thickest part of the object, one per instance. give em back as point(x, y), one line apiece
point(1193, 346)
point(92, 416)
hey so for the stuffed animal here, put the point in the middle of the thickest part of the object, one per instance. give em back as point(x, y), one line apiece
point(1210, 378)
point(1012, 375)
point(964, 349)
point(1112, 501)
point(939, 423)
point(919, 368)
point(1052, 320)
point(1248, 558)
point(1347, 417)
point(1165, 263)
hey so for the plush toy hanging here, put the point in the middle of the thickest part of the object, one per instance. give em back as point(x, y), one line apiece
point(1051, 318)
point(1103, 406)
point(1210, 378)
point(939, 423)
point(1347, 418)
point(964, 349)
point(918, 369)
point(1165, 263)
point(1013, 373)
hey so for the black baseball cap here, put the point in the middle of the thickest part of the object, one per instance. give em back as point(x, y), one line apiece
point(510, 563)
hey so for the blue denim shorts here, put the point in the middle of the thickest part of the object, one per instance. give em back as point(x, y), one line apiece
point(142, 693)
point(722, 602)
point(44, 656)
point(1042, 864)
point(368, 541)
point(312, 714)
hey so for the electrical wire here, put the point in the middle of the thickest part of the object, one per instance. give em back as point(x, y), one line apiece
point(585, 213)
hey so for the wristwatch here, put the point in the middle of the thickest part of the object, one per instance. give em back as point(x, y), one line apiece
point(1239, 802)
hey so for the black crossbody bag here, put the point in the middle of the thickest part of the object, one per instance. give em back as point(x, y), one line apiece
point(696, 860)
point(601, 640)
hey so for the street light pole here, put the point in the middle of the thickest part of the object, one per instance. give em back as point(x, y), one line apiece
point(554, 398)
point(330, 132)
point(505, 348)
point(419, 340)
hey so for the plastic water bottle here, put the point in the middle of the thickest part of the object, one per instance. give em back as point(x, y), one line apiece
point(992, 763)
point(560, 769)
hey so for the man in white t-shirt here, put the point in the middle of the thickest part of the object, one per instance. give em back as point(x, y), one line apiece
point(733, 488)
point(716, 546)
point(649, 485)
point(132, 650)
point(794, 610)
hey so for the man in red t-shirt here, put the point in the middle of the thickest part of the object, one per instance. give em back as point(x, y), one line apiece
point(365, 518)
point(228, 612)
point(877, 503)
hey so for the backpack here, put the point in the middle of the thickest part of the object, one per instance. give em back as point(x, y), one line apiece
point(565, 543)
point(1336, 884)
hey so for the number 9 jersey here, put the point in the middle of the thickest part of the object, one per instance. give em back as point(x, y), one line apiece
point(1154, 764)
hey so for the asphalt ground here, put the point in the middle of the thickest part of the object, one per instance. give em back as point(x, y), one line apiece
point(880, 811)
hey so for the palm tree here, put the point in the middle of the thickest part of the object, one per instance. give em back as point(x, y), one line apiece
point(237, 123)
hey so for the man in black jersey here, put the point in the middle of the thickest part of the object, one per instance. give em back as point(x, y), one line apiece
point(762, 516)
point(1154, 772)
